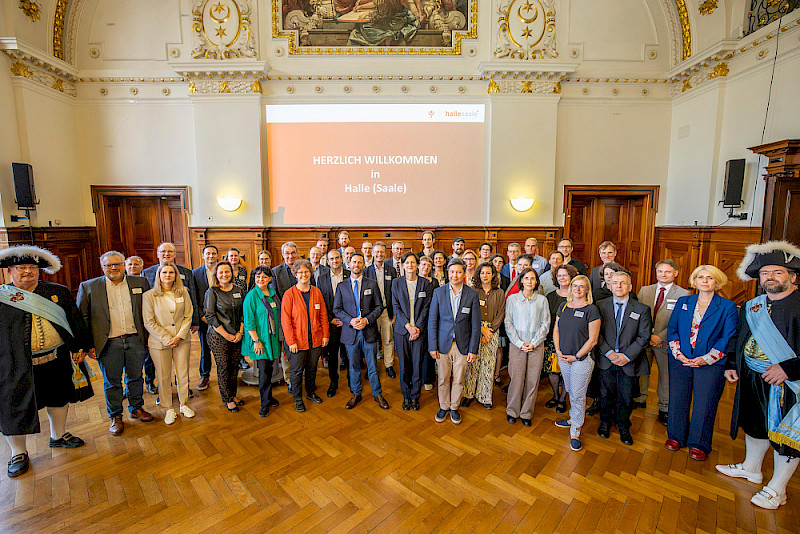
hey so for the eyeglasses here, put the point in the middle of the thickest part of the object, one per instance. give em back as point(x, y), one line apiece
point(113, 265)
point(23, 268)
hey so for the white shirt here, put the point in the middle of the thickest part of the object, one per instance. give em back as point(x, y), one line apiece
point(120, 309)
point(210, 276)
point(455, 300)
point(412, 293)
point(336, 279)
point(379, 275)
point(353, 281)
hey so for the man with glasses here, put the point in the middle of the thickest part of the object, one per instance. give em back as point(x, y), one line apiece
point(112, 308)
point(538, 263)
point(565, 246)
point(608, 253)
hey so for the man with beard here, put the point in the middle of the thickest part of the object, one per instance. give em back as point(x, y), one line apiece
point(763, 362)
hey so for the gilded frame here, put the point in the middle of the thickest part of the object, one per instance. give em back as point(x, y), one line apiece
point(296, 49)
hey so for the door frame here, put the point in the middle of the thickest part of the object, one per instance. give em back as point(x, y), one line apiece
point(99, 192)
point(649, 192)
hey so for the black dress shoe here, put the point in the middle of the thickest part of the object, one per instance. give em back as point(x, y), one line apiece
point(331, 392)
point(273, 402)
point(551, 403)
point(239, 402)
point(342, 366)
point(390, 372)
point(67, 441)
point(415, 405)
point(314, 398)
point(625, 436)
point(299, 406)
point(191, 394)
point(263, 412)
point(604, 431)
point(561, 407)
point(406, 404)
point(637, 404)
point(593, 408)
point(525, 422)
point(466, 402)
point(18, 465)
point(662, 418)
point(505, 389)
point(511, 420)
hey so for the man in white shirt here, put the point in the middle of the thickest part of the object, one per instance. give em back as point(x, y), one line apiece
point(366, 250)
point(323, 247)
point(384, 274)
point(539, 263)
point(510, 269)
point(344, 240)
point(661, 298)
point(608, 253)
point(397, 254)
point(327, 281)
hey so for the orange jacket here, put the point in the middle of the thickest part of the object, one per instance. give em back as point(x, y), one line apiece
point(294, 320)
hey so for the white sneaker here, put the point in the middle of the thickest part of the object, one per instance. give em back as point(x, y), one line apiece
point(767, 498)
point(737, 471)
point(428, 387)
point(170, 417)
point(188, 412)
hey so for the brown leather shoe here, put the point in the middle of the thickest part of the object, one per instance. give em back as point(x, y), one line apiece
point(142, 415)
point(697, 454)
point(381, 402)
point(352, 402)
point(117, 426)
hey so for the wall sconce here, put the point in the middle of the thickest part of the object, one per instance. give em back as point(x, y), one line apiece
point(522, 204)
point(229, 203)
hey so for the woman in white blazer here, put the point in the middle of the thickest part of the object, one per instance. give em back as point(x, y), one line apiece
point(167, 311)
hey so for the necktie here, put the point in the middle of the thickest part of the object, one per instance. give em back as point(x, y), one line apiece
point(659, 300)
point(513, 272)
point(355, 294)
point(618, 318)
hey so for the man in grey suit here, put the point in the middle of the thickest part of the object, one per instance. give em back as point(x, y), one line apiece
point(111, 305)
point(661, 298)
point(282, 274)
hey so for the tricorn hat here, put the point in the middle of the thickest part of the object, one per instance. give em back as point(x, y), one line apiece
point(30, 255)
point(758, 255)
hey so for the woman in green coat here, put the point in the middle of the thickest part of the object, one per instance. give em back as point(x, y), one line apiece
point(262, 312)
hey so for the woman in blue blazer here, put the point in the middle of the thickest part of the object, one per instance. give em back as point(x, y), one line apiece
point(698, 334)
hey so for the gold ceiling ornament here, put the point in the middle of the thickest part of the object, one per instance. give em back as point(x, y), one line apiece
point(58, 84)
point(223, 87)
point(557, 88)
point(526, 29)
point(720, 70)
point(686, 34)
point(493, 87)
point(707, 7)
point(58, 28)
point(31, 9)
point(21, 69)
point(296, 35)
point(222, 29)
point(192, 88)
point(256, 86)
point(526, 86)
point(686, 85)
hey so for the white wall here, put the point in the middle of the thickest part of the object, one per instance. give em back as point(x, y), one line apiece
point(9, 146)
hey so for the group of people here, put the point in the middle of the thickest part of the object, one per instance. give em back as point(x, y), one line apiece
point(453, 319)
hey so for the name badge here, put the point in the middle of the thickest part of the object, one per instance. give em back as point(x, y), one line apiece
point(316, 306)
point(183, 277)
point(670, 306)
point(422, 294)
point(388, 276)
point(464, 310)
point(634, 316)
point(272, 304)
point(179, 299)
point(685, 307)
point(672, 300)
point(237, 295)
point(578, 313)
point(367, 292)
point(482, 302)
point(136, 290)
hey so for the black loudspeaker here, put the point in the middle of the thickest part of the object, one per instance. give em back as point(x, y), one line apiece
point(23, 186)
point(734, 180)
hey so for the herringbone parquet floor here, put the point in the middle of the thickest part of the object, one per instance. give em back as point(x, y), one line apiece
point(369, 470)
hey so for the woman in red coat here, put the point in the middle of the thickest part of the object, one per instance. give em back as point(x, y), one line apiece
point(304, 320)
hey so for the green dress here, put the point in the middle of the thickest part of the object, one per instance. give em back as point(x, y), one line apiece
point(256, 317)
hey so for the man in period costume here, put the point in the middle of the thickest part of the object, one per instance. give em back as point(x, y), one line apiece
point(763, 360)
point(40, 326)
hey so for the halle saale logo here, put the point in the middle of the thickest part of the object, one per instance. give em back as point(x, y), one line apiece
point(431, 114)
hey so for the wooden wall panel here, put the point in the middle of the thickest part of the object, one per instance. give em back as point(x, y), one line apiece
point(77, 247)
point(718, 246)
point(249, 241)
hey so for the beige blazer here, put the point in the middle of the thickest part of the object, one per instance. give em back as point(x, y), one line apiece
point(162, 324)
point(647, 295)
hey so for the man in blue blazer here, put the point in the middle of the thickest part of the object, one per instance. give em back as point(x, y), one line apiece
point(454, 332)
point(624, 334)
point(327, 280)
point(203, 276)
point(382, 271)
point(359, 328)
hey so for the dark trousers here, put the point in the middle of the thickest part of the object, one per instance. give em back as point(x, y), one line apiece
point(227, 355)
point(362, 348)
point(122, 354)
point(331, 352)
point(205, 351)
point(616, 396)
point(265, 369)
point(300, 363)
point(428, 363)
point(699, 388)
point(409, 356)
point(593, 390)
point(149, 367)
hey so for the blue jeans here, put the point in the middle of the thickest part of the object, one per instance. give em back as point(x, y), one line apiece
point(205, 351)
point(122, 354)
point(354, 353)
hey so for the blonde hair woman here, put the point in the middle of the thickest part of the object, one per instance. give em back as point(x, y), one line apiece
point(167, 312)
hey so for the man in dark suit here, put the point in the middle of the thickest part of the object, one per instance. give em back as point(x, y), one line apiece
point(454, 332)
point(608, 253)
point(111, 305)
point(327, 281)
point(382, 271)
point(203, 277)
point(565, 246)
point(510, 269)
point(282, 274)
point(625, 333)
point(396, 260)
point(166, 253)
point(315, 256)
point(358, 305)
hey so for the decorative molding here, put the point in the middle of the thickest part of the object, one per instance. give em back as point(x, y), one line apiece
point(294, 37)
point(707, 7)
point(58, 28)
point(222, 29)
point(686, 32)
point(519, 87)
point(31, 9)
point(31, 64)
point(670, 12)
point(526, 29)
